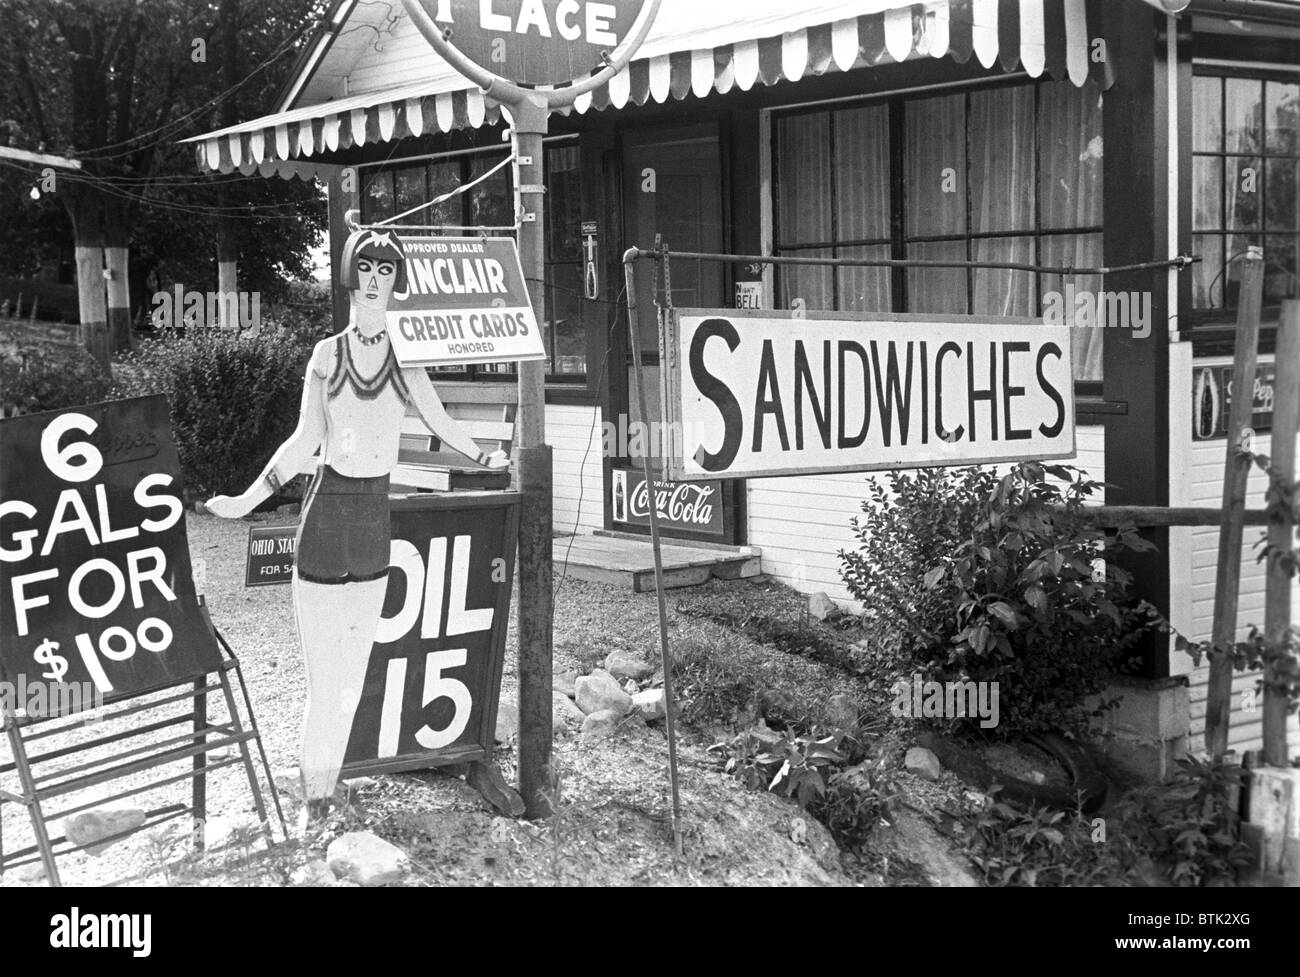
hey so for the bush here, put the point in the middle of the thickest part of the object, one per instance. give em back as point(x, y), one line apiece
point(991, 579)
point(233, 400)
point(34, 381)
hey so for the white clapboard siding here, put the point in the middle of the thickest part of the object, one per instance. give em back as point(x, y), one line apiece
point(1206, 487)
point(574, 432)
point(802, 522)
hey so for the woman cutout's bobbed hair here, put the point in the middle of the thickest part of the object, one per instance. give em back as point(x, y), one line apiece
point(372, 244)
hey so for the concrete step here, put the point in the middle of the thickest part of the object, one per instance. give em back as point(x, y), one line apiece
point(623, 561)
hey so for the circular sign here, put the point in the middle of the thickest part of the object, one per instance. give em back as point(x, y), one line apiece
point(535, 42)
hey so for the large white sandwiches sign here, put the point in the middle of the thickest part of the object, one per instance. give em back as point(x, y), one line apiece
point(749, 394)
point(465, 302)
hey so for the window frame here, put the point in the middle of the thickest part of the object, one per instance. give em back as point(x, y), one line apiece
point(899, 239)
point(1217, 325)
point(576, 383)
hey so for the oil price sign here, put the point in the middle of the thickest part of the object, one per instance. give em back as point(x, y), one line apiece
point(432, 685)
point(465, 302)
point(96, 589)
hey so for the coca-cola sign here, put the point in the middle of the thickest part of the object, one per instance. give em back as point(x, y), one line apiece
point(692, 506)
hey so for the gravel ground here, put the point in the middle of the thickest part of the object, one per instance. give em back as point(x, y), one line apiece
point(613, 826)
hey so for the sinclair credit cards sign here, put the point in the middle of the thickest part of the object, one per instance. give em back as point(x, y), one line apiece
point(749, 394)
point(465, 302)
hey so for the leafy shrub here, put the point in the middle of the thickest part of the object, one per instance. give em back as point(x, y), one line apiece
point(1043, 847)
point(233, 400)
point(1002, 580)
point(1190, 826)
point(34, 380)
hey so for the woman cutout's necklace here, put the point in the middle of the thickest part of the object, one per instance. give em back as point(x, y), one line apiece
point(366, 388)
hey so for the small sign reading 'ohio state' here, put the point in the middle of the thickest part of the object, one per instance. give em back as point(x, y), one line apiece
point(692, 506)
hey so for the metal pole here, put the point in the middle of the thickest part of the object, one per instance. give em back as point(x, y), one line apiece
point(536, 597)
point(1218, 705)
point(1281, 534)
point(665, 656)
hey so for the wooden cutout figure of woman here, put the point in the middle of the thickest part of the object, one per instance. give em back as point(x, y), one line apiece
point(353, 401)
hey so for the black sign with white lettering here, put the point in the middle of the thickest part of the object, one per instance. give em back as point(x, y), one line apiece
point(270, 555)
point(1212, 393)
point(431, 688)
point(692, 506)
point(95, 577)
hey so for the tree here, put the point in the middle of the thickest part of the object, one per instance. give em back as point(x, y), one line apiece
point(115, 84)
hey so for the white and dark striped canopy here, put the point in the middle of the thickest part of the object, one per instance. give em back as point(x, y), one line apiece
point(696, 48)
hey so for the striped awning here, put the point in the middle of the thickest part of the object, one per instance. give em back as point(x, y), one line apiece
point(1054, 37)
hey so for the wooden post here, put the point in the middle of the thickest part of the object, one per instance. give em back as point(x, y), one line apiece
point(1236, 469)
point(1281, 534)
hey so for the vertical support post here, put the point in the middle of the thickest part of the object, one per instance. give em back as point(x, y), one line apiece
point(199, 797)
point(1227, 583)
point(638, 380)
point(536, 596)
point(1281, 534)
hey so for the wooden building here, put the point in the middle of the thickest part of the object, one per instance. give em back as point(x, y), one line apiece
point(1056, 132)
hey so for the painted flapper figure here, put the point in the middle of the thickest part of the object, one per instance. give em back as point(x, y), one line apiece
point(354, 397)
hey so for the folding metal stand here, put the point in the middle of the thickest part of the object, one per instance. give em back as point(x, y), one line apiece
point(202, 739)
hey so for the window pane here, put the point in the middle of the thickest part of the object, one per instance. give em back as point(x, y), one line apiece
point(1207, 274)
point(377, 201)
point(804, 168)
point(1242, 187)
point(444, 177)
point(1207, 192)
point(1001, 161)
point(811, 283)
point(563, 205)
point(491, 203)
point(1282, 195)
point(1244, 115)
point(935, 165)
point(864, 289)
point(566, 335)
point(1003, 291)
point(862, 173)
point(1075, 251)
point(1282, 121)
point(1207, 115)
point(938, 290)
point(1280, 268)
point(1070, 155)
point(410, 193)
point(1234, 246)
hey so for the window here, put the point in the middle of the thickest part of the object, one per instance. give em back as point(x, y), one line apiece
point(395, 189)
point(1245, 185)
point(1007, 174)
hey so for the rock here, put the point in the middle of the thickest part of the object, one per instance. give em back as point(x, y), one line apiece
point(768, 739)
point(288, 783)
point(799, 831)
point(841, 711)
point(650, 704)
point(599, 691)
point(599, 725)
point(777, 701)
point(365, 858)
point(563, 683)
point(822, 607)
point(507, 720)
point(314, 873)
point(631, 688)
point(356, 784)
point(103, 822)
point(622, 665)
point(564, 713)
point(923, 763)
point(30, 874)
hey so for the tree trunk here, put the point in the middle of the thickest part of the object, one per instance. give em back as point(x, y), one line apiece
point(87, 212)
